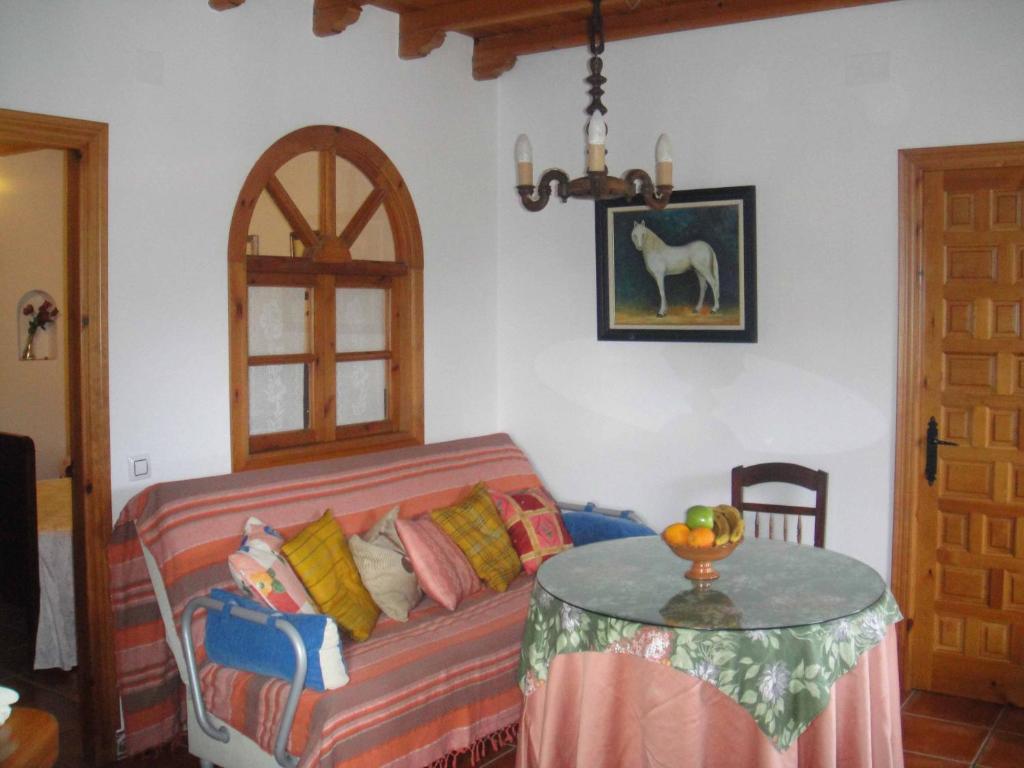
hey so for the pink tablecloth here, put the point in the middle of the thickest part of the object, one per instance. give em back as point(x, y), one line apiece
point(604, 710)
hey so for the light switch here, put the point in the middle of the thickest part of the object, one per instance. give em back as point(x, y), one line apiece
point(138, 467)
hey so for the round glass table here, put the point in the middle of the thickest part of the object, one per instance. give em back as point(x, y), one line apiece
point(786, 633)
point(762, 585)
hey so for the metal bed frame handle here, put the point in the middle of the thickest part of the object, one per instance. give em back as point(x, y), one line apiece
point(219, 732)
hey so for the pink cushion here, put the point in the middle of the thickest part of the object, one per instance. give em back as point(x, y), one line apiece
point(261, 572)
point(534, 524)
point(443, 571)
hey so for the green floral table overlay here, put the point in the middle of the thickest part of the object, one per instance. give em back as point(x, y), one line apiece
point(782, 677)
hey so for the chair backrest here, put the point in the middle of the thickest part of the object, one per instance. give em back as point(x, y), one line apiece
point(780, 472)
point(19, 536)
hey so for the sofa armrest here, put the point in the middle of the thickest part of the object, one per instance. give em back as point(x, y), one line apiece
point(220, 733)
point(624, 514)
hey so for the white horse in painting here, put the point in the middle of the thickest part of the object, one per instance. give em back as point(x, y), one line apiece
point(662, 260)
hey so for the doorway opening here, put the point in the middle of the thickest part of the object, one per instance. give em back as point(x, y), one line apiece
point(85, 144)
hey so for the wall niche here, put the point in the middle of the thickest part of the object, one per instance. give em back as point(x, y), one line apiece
point(37, 326)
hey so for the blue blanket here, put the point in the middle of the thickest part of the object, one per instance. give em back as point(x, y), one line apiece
point(588, 527)
point(235, 642)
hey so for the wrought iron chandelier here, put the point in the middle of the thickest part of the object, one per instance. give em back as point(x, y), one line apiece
point(597, 184)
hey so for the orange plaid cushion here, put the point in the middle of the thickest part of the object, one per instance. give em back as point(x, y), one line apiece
point(534, 524)
point(319, 554)
point(474, 524)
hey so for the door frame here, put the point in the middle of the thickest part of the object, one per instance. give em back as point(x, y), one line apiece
point(86, 146)
point(910, 428)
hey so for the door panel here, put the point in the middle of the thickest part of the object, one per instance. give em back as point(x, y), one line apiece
point(968, 630)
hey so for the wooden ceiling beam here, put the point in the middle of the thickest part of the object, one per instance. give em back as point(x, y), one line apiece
point(413, 42)
point(420, 31)
point(492, 61)
point(462, 15)
point(331, 17)
point(497, 53)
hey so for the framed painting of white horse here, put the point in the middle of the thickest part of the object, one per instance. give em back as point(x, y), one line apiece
point(686, 273)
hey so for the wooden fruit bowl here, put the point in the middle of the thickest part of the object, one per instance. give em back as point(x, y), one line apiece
point(702, 557)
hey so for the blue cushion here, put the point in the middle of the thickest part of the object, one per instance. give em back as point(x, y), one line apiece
point(588, 527)
point(265, 650)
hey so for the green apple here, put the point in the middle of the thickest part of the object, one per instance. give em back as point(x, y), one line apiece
point(700, 516)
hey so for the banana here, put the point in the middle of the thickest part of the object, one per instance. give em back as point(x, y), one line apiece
point(738, 531)
point(735, 518)
point(723, 528)
point(735, 521)
point(731, 512)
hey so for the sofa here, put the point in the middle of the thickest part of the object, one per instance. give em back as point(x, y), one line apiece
point(419, 694)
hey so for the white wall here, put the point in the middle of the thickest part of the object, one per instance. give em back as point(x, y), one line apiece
point(33, 396)
point(193, 97)
point(812, 110)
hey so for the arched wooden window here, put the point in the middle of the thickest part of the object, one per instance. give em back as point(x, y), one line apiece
point(325, 283)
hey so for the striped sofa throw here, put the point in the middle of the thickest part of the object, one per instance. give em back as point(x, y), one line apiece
point(191, 526)
point(439, 674)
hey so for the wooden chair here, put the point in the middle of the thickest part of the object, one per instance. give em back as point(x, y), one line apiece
point(778, 472)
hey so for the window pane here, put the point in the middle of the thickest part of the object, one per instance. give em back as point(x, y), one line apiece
point(278, 398)
point(361, 323)
point(362, 391)
point(268, 230)
point(375, 242)
point(300, 177)
point(278, 320)
point(351, 188)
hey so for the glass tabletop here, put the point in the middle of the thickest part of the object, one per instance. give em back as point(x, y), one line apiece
point(762, 585)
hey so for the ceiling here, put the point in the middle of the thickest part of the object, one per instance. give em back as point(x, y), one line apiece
point(503, 30)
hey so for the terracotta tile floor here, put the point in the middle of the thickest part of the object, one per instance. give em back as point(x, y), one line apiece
point(948, 731)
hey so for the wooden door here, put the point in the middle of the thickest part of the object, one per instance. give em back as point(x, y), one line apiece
point(967, 630)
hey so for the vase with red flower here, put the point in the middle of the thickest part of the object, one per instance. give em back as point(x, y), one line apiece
point(38, 320)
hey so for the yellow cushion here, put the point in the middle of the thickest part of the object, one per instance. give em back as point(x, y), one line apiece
point(319, 554)
point(475, 525)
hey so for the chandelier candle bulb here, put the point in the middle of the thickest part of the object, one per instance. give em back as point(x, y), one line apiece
point(524, 161)
point(663, 162)
point(597, 132)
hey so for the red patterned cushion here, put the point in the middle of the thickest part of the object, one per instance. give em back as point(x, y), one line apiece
point(534, 524)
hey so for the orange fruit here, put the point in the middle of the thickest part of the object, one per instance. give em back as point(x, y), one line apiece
point(676, 534)
point(701, 538)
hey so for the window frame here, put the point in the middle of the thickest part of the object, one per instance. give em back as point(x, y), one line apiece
point(325, 266)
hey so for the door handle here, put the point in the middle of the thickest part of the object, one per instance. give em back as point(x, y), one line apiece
point(932, 444)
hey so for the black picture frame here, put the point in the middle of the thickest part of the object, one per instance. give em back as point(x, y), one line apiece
point(711, 234)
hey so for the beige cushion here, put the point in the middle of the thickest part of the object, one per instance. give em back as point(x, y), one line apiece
point(384, 568)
